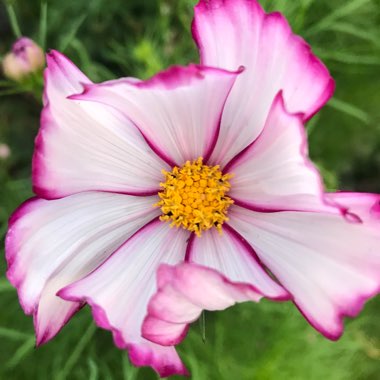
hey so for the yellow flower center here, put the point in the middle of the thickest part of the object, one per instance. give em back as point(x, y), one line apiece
point(194, 197)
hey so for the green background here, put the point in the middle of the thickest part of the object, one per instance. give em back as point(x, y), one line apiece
point(114, 38)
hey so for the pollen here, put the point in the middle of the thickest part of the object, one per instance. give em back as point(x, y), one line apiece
point(194, 197)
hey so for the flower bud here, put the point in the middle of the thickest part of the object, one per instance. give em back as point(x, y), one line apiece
point(25, 58)
point(5, 151)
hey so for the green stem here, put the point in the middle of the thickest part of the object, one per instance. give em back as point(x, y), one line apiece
point(74, 357)
point(202, 325)
point(13, 20)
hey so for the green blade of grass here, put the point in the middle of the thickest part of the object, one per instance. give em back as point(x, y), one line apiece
point(22, 351)
point(43, 25)
point(355, 31)
point(311, 125)
point(348, 58)
point(93, 369)
point(350, 110)
point(69, 37)
point(77, 352)
point(345, 10)
point(14, 334)
point(129, 372)
point(202, 326)
point(13, 20)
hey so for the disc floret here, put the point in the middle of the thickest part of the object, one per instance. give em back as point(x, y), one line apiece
point(194, 197)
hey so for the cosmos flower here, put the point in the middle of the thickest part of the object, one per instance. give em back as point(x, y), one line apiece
point(200, 173)
point(25, 58)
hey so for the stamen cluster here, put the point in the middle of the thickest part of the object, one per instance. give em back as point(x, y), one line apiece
point(194, 197)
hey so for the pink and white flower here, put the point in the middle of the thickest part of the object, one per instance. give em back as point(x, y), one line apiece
point(93, 235)
point(25, 59)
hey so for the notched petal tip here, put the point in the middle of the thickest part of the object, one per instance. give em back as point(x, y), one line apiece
point(279, 101)
point(81, 94)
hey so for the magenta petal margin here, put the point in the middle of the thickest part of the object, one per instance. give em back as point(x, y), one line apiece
point(231, 33)
point(50, 244)
point(183, 292)
point(87, 147)
point(160, 108)
point(120, 305)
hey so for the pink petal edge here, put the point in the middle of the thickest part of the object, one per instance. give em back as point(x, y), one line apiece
point(183, 292)
point(170, 79)
point(337, 301)
point(59, 65)
point(137, 354)
point(326, 202)
point(205, 6)
point(35, 281)
point(11, 251)
point(16, 278)
point(54, 60)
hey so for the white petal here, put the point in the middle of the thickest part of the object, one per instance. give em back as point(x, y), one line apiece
point(331, 266)
point(178, 111)
point(274, 172)
point(232, 257)
point(119, 291)
point(229, 273)
point(50, 244)
point(231, 33)
point(85, 146)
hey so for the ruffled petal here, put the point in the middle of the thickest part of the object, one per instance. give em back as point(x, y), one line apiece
point(331, 266)
point(50, 244)
point(183, 292)
point(274, 172)
point(119, 291)
point(223, 270)
point(231, 33)
point(178, 111)
point(86, 146)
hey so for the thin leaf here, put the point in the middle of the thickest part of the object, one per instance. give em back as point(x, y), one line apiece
point(22, 351)
point(93, 368)
point(350, 110)
point(14, 334)
point(346, 9)
point(357, 32)
point(43, 25)
point(13, 20)
point(348, 58)
point(77, 352)
point(68, 38)
point(129, 372)
point(311, 125)
point(84, 57)
point(202, 326)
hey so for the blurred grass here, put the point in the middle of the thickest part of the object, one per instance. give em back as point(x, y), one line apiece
point(109, 39)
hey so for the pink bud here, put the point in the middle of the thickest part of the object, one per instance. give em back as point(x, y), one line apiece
point(5, 151)
point(25, 58)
